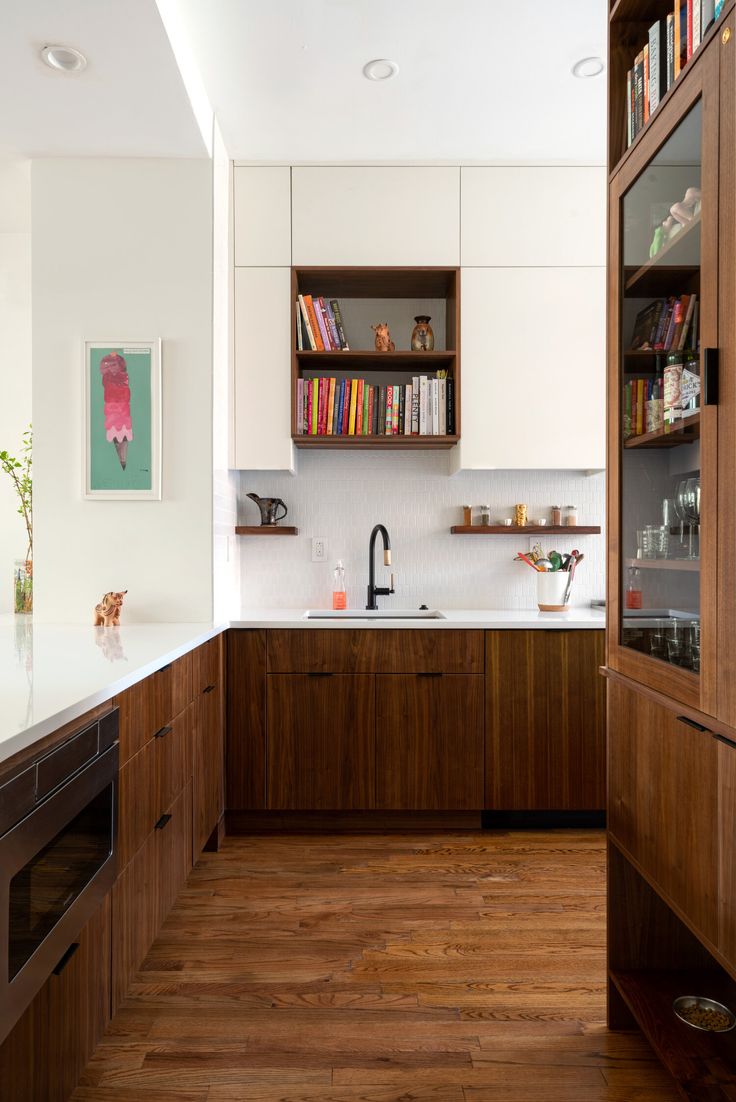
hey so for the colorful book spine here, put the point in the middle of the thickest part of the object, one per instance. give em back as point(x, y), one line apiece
point(687, 323)
point(388, 427)
point(359, 408)
point(415, 406)
point(690, 28)
point(314, 412)
point(423, 393)
point(697, 24)
point(334, 335)
point(396, 412)
point(353, 406)
point(645, 106)
point(657, 64)
point(450, 406)
point(407, 411)
point(376, 391)
point(299, 337)
point(442, 400)
point(300, 405)
point(331, 408)
point(381, 410)
point(318, 342)
point(366, 404)
point(346, 408)
point(337, 314)
point(670, 50)
point(435, 407)
point(321, 325)
point(629, 111)
point(307, 323)
point(371, 408)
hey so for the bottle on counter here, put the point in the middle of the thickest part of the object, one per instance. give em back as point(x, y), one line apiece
point(339, 598)
point(571, 516)
point(633, 588)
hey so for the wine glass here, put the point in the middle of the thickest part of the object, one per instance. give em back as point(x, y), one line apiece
point(680, 509)
point(691, 504)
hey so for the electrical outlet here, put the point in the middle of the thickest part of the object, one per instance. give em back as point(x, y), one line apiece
point(319, 549)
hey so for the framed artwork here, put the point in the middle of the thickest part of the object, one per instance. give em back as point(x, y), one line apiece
point(122, 431)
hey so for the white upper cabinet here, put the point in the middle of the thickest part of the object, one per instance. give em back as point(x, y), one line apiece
point(376, 216)
point(262, 376)
point(262, 216)
point(533, 378)
point(538, 217)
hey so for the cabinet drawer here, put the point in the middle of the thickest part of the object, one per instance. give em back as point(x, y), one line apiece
point(206, 666)
point(376, 650)
point(173, 760)
point(148, 706)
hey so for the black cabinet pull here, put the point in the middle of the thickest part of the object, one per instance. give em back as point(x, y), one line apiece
point(725, 741)
point(319, 673)
point(163, 731)
point(430, 673)
point(166, 667)
point(692, 723)
point(66, 958)
point(710, 376)
point(162, 822)
point(208, 689)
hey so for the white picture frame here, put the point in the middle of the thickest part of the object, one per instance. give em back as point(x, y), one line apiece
point(122, 434)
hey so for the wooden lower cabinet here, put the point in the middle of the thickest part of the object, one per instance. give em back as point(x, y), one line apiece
point(429, 742)
point(662, 804)
point(545, 720)
point(42, 1058)
point(727, 850)
point(245, 743)
point(145, 890)
point(148, 706)
point(207, 771)
point(321, 742)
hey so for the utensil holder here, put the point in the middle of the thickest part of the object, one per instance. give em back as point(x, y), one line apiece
point(551, 587)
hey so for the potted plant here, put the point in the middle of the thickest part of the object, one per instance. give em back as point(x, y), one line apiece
point(19, 472)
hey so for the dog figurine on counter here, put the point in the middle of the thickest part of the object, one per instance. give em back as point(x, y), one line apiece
point(107, 612)
point(383, 337)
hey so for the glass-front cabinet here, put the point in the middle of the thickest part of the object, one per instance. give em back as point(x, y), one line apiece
point(663, 459)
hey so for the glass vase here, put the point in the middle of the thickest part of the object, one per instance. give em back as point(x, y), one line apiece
point(23, 586)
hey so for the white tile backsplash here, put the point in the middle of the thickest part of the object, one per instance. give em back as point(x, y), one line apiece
point(340, 496)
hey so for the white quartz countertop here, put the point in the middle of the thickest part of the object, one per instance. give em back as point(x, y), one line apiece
point(483, 618)
point(50, 674)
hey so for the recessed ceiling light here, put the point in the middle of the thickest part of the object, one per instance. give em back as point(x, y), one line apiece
point(64, 58)
point(588, 67)
point(380, 69)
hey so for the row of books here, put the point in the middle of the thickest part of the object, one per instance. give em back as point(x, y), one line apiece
point(637, 393)
point(671, 43)
point(319, 325)
point(355, 407)
point(667, 325)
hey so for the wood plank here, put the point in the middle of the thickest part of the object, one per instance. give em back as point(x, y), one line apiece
point(245, 738)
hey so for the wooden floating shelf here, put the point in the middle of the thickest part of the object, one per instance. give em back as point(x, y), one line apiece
point(527, 530)
point(375, 361)
point(265, 530)
point(664, 564)
point(672, 439)
point(373, 441)
point(702, 1063)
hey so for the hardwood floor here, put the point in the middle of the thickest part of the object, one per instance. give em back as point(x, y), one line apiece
point(380, 968)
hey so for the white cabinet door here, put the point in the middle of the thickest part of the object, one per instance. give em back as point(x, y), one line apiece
point(533, 368)
point(533, 216)
point(262, 216)
point(376, 216)
point(262, 382)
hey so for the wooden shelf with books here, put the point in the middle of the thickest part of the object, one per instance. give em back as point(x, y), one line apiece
point(642, 34)
point(348, 394)
point(686, 433)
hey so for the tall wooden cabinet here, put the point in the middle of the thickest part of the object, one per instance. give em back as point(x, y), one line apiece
point(671, 645)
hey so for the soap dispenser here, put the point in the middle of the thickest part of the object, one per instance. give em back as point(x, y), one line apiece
point(338, 588)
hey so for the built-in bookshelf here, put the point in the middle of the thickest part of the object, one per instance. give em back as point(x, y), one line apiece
point(345, 392)
point(653, 44)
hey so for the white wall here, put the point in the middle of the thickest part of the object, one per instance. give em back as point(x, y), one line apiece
point(15, 352)
point(122, 249)
point(340, 496)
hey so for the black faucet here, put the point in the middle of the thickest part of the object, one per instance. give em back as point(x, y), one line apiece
point(374, 590)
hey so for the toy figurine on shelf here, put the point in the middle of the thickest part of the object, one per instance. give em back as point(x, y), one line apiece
point(422, 335)
point(681, 214)
point(107, 612)
point(383, 337)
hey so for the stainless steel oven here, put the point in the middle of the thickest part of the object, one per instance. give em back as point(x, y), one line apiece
point(58, 822)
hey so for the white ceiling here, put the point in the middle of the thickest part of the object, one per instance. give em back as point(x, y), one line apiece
point(129, 101)
point(479, 80)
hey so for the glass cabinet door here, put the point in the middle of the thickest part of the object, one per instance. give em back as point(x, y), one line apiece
point(665, 272)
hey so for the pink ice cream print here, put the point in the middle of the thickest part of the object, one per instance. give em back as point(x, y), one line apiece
point(116, 389)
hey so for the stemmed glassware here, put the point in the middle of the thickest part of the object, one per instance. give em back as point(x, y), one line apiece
point(691, 505)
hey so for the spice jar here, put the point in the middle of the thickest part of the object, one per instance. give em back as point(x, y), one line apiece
point(520, 516)
point(485, 515)
point(556, 516)
point(467, 515)
point(571, 516)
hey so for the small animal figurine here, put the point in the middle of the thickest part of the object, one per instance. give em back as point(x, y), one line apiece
point(383, 337)
point(107, 612)
point(422, 335)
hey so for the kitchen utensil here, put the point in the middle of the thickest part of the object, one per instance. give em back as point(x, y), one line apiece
point(575, 558)
point(556, 559)
point(521, 557)
point(269, 507)
point(544, 564)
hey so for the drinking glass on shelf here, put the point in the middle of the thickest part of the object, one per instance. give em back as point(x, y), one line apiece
point(656, 541)
point(692, 510)
point(680, 509)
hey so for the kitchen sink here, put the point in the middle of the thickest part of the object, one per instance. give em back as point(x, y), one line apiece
point(374, 614)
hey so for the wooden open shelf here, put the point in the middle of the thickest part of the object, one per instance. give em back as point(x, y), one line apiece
point(266, 530)
point(527, 530)
point(664, 564)
point(704, 1064)
point(378, 283)
point(687, 434)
